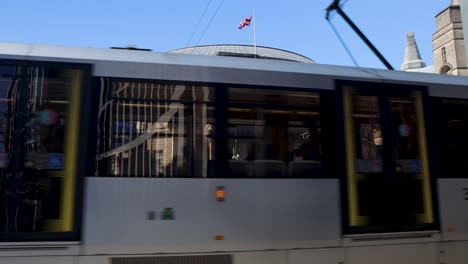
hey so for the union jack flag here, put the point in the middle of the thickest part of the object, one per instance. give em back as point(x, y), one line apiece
point(245, 22)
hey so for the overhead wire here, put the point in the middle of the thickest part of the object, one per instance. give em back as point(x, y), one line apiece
point(340, 38)
point(198, 23)
point(211, 20)
point(343, 43)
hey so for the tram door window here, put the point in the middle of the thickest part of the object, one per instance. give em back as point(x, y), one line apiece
point(367, 183)
point(411, 161)
point(388, 181)
point(273, 134)
point(39, 113)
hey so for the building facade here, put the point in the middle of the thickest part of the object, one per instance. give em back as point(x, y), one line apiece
point(464, 15)
point(448, 42)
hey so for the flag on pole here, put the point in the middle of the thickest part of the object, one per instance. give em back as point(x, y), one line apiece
point(245, 22)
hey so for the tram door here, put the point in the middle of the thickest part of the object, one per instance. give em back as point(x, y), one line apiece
point(388, 184)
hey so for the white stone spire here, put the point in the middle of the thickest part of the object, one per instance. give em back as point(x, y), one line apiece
point(412, 56)
point(455, 3)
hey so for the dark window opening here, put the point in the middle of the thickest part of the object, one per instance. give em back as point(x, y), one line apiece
point(451, 125)
point(273, 134)
point(444, 55)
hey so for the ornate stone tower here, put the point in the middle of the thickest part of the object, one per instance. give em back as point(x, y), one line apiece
point(413, 60)
point(448, 43)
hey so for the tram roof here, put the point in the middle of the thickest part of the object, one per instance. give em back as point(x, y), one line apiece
point(104, 61)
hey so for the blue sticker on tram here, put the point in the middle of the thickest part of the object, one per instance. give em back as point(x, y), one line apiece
point(55, 161)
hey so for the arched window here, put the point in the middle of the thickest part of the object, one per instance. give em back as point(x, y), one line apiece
point(446, 69)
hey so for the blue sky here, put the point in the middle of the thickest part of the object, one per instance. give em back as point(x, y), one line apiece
point(295, 25)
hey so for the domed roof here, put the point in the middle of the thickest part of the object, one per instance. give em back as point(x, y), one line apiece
point(244, 51)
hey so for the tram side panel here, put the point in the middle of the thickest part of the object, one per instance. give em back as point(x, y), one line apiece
point(453, 200)
point(138, 216)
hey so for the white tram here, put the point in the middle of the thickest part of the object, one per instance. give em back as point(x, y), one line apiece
point(121, 156)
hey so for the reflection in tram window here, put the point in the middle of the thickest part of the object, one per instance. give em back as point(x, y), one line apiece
point(156, 130)
point(273, 134)
point(405, 134)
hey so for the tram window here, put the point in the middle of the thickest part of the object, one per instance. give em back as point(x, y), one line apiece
point(273, 97)
point(404, 130)
point(273, 134)
point(39, 108)
point(156, 130)
point(162, 92)
point(452, 127)
point(368, 134)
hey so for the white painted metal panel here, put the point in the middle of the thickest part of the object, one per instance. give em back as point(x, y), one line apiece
point(454, 252)
point(257, 214)
point(450, 91)
point(37, 260)
point(31, 249)
point(453, 207)
point(391, 238)
point(93, 260)
point(391, 254)
point(265, 257)
point(322, 256)
point(258, 257)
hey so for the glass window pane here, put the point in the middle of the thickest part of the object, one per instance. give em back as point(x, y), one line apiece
point(453, 141)
point(404, 127)
point(275, 97)
point(268, 142)
point(414, 205)
point(156, 137)
point(368, 134)
point(162, 91)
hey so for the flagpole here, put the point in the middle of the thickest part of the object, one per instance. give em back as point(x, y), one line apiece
point(255, 33)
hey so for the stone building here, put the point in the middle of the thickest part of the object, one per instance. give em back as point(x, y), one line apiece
point(413, 61)
point(448, 46)
point(464, 15)
point(448, 42)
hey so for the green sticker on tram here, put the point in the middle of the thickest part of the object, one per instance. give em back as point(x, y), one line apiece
point(168, 214)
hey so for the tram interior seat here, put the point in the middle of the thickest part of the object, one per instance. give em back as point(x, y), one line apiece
point(269, 168)
point(303, 168)
point(239, 168)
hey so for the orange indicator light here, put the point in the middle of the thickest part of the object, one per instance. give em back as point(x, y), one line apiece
point(219, 237)
point(219, 193)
